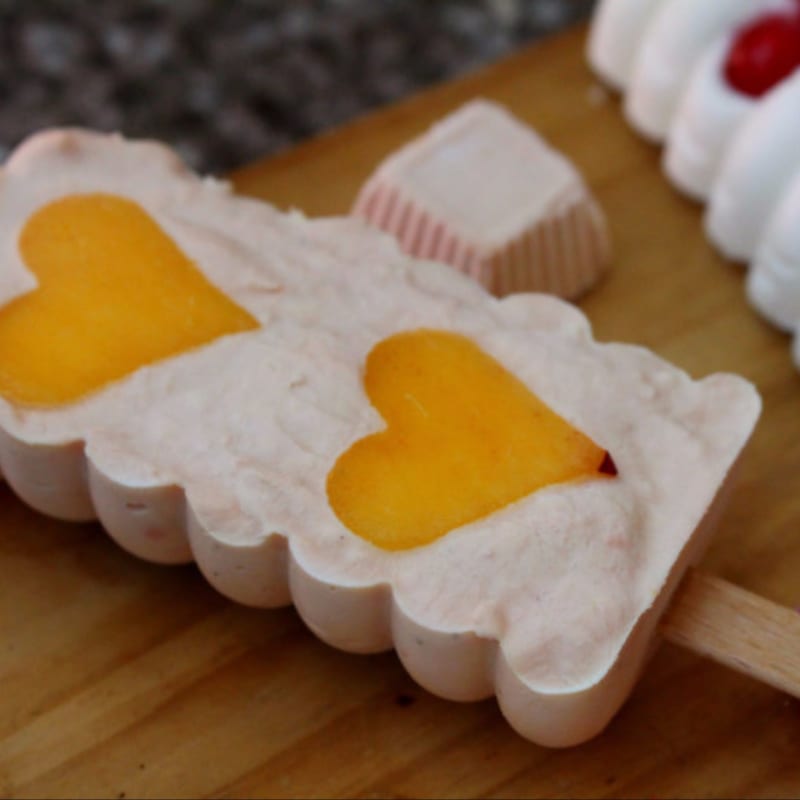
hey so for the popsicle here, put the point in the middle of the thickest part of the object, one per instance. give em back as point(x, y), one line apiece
point(484, 193)
point(329, 422)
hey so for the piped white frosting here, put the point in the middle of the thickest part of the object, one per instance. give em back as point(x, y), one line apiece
point(679, 34)
point(739, 153)
point(757, 168)
point(617, 27)
point(708, 116)
point(773, 283)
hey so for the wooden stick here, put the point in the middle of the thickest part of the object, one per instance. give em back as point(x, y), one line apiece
point(737, 628)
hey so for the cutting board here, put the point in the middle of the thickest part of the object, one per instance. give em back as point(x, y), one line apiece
point(119, 678)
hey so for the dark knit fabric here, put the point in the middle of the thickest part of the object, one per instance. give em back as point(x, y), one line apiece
point(226, 81)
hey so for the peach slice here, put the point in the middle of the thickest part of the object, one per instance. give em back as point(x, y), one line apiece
point(464, 438)
point(115, 294)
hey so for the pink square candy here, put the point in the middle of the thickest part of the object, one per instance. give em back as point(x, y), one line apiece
point(484, 193)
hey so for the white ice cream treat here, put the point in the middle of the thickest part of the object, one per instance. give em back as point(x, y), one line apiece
point(706, 120)
point(673, 42)
point(756, 170)
point(773, 284)
point(617, 29)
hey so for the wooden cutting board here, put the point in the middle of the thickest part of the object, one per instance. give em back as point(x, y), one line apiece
point(119, 678)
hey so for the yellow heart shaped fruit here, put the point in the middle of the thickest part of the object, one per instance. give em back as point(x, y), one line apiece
point(115, 293)
point(464, 438)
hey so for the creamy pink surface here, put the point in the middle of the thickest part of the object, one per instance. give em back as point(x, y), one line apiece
point(484, 193)
point(223, 452)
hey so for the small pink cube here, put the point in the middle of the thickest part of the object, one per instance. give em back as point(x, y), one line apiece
point(484, 193)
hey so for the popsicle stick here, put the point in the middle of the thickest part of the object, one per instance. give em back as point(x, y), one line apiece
point(736, 628)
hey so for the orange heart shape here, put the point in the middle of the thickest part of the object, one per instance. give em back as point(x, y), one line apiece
point(464, 438)
point(115, 294)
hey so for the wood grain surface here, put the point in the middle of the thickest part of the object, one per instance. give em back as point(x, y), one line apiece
point(123, 679)
point(737, 628)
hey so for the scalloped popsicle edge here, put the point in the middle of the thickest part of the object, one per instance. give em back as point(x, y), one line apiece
point(358, 619)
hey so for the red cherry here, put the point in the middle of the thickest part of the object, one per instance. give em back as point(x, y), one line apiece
point(764, 53)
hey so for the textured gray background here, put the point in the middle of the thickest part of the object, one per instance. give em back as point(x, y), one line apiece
point(226, 82)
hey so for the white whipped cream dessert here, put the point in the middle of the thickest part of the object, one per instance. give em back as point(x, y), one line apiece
point(708, 115)
point(617, 28)
point(757, 168)
point(670, 46)
point(721, 81)
point(773, 283)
